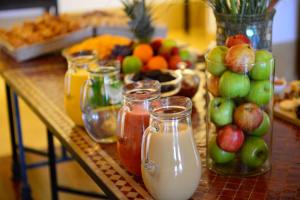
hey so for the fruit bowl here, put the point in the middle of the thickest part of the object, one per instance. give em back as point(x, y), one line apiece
point(169, 86)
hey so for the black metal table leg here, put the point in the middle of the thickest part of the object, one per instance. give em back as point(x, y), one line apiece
point(25, 189)
point(52, 166)
point(15, 165)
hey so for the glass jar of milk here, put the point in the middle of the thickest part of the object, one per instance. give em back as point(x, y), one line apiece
point(171, 166)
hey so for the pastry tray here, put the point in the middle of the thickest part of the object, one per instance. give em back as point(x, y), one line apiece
point(27, 52)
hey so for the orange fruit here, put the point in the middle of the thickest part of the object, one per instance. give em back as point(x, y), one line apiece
point(157, 62)
point(143, 52)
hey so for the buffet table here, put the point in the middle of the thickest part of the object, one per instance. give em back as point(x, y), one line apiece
point(40, 83)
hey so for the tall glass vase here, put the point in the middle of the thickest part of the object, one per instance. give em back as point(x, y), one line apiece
point(258, 28)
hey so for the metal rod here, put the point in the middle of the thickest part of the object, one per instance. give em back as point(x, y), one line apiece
point(35, 151)
point(15, 165)
point(64, 153)
point(26, 191)
point(186, 12)
point(52, 166)
point(80, 192)
point(44, 163)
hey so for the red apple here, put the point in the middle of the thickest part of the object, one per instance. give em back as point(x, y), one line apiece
point(188, 63)
point(156, 44)
point(237, 39)
point(248, 117)
point(230, 138)
point(213, 85)
point(240, 58)
point(174, 51)
point(173, 62)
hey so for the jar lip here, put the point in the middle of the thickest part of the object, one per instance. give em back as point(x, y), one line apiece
point(102, 68)
point(142, 90)
point(82, 53)
point(171, 107)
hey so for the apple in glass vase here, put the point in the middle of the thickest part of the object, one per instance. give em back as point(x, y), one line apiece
point(261, 92)
point(263, 67)
point(232, 85)
point(213, 85)
point(218, 155)
point(230, 138)
point(254, 152)
point(248, 117)
point(215, 60)
point(237, 39)
point(263, 128)
point(221, 111)
point(240, 58)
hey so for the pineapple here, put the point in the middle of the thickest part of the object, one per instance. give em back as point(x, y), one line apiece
point(140, 19)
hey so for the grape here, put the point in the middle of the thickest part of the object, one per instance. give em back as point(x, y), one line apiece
point(121, 50)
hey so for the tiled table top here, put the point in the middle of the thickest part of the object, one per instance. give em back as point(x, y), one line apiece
point(40, 84)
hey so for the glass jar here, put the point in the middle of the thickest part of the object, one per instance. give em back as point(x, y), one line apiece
point(171, 165)
point(101, 100)
point(75, 76)
point(258, 28)
point(239, 119)
point(133, 119)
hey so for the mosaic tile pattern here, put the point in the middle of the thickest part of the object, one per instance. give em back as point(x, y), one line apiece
point(41, 87)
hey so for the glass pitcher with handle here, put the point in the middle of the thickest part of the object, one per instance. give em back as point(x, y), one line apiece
point(101, 99)
point(171, 166)
point(133, 119)
point(75, 77)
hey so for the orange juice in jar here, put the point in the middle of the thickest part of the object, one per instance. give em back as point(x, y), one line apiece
point(75, 77)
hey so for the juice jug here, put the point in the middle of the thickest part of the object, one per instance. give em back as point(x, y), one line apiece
point(171, 165)
point(75, 76)
point(133, 119)
point(101, 99)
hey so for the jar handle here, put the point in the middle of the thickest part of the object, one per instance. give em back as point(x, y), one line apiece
point(121, 121)
point(83, 97)
point(149, 165)
point(67, 85)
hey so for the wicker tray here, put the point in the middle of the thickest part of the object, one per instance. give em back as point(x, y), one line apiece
point(31, 51)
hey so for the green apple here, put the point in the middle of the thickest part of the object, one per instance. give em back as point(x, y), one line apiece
point(185, 55)
point(233, 85)
point(168, 44)
point(215, 60)
point(261, 92)
point(221, 111)
point(218, 155)
point(254, 152)
point(131, 64)
point(264, 66)
point(263, 128)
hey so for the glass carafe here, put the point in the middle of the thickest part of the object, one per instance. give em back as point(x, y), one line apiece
point(75, 76)
point(133, 119)
point(171, 165)
point(101, 100)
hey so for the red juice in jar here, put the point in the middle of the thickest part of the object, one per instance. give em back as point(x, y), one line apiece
point(133, 120)
point(129, 146)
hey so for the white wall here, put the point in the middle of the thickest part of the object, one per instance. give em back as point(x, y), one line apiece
point(285, 21)
point(284, 27)
point(81, 5)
